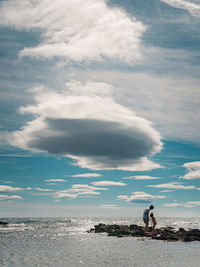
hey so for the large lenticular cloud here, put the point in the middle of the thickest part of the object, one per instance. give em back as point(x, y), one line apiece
point(78, 30)
point(85, 123)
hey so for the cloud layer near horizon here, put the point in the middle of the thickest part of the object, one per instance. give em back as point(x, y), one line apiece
point(140, 197)
point(85, 123)
point(188, 204)
point(78, 30)
point(173, 185)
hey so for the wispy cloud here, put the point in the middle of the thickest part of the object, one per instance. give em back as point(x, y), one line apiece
point(7, 188)
point(164, 95)
point(8, 182)
point(193, 8)
point(104, 206)
point(43, 193)
point(85, 186)
point(141, 177)
point(173, 185)
point(108, 183)
point(86, 175)
point(55, 180)
point(193, 169)
point(15, 155)
point(65, 195)
point(166, 191)
point(78, 190)
point(13, 197)
point(91, 30)
point(188, 204)
point(140, 197)
point(3, 137)
point(126, 139)
point(43, 189)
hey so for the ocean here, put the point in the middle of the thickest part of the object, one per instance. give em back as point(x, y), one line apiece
point(65, 242)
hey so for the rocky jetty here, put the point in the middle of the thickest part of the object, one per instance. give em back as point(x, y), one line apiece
point(164, 233)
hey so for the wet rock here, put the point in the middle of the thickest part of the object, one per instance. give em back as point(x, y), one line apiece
point(181, 230)
point(164, 233)
point(3, 223)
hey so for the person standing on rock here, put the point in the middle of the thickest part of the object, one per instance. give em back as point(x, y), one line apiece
point(154, 223)
point(146, 218)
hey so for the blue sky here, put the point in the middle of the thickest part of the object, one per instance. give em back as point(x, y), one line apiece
point(99, 108)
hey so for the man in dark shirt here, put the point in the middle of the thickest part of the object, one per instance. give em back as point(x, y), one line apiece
point(146, 218)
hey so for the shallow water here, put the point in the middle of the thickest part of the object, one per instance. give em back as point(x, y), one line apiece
point(65, 242)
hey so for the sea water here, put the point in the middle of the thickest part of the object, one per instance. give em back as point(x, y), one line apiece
point(65, 242)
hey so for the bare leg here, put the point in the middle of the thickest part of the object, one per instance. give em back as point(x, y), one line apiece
point(154, 229)
point(146, 226)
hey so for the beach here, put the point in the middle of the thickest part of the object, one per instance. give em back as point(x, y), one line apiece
point(65, 242)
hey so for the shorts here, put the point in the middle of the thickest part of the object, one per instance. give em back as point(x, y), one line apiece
point(146, 221)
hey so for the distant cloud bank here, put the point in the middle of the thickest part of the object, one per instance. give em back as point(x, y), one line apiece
point(140, 197)
point(188, 204)
point(173, 185)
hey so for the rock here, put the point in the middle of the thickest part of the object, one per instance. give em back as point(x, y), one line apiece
point(120, 235)
point(3, 223)
point(164, 233)
point(181, 230)
point(100, 228)
point(192, 235)
point(135, 227)
point(92, 230)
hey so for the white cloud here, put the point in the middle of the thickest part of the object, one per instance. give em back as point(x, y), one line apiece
point(141, 177)
point(78, 190)
point(89, 187)
point(193, 169)
point(105, 163)
point(173, 185)
point(55, 180)
point(164, 96)
point(43, 189)
point(104, 206)
point(140, 197)
point(108, 183)
point(86, 175)
point(194, 203)
point(166, 191)
point(85, 123)
point(89, 193)
point(189, 204)
point(193, 8)
point(7, 188)
point(79, 30)
point(6, 197)
point(65, 195)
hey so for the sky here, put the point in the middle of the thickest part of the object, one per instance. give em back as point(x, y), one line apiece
point(99, 108)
